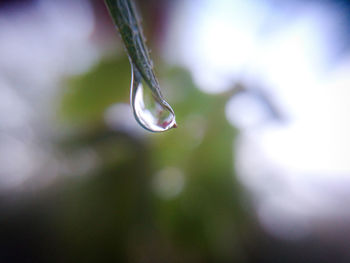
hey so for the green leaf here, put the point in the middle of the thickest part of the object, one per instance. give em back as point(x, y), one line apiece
point(126, 19)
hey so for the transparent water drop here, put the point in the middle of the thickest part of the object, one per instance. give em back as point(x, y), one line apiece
point(151, 111)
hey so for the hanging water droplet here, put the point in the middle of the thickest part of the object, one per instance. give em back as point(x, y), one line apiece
point(151, 111)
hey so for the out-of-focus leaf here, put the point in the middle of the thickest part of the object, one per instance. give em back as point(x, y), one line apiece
point(86, 97)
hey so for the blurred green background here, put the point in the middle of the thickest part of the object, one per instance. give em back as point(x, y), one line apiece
point(80, 181)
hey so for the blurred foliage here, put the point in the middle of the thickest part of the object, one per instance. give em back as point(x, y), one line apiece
point(115, 213)
point(87, 96)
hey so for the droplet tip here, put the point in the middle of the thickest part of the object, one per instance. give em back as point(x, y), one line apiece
point(175, 125)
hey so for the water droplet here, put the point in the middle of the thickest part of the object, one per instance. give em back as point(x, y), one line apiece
point(151, 111)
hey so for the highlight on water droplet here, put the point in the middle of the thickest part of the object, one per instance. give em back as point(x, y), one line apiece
point(151, 111)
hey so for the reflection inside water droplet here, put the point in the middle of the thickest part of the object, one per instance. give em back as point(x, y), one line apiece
point(151, 111)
